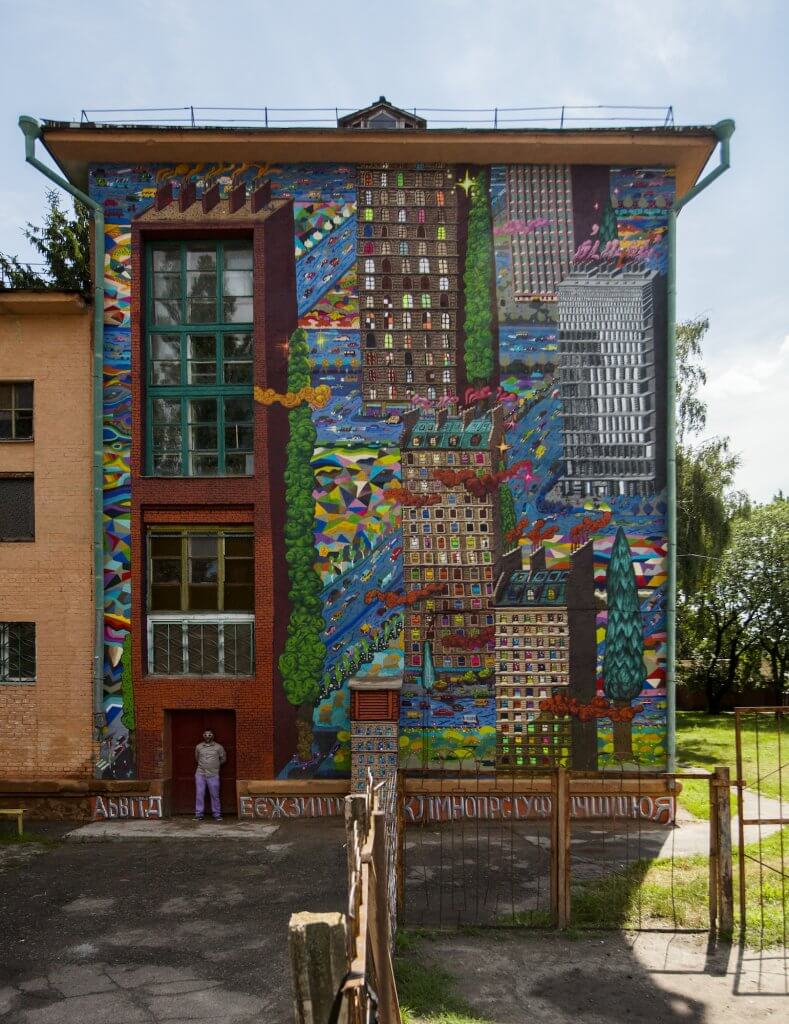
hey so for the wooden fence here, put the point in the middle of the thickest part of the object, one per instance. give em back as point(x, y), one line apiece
point(342, 963)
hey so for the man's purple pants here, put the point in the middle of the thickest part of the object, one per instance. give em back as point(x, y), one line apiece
point(212, 781)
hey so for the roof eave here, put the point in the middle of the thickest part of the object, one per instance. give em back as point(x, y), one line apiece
point(74, 147)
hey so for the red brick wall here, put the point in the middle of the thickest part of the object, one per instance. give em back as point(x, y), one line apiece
point(265, 722)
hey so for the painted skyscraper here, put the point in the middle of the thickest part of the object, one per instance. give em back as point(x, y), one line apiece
point(540, 202)
point(409, 253)
point(607, 369)
point(452, 536)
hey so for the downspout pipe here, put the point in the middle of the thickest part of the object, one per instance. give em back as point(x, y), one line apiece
point(723, 131)
point(31, 130)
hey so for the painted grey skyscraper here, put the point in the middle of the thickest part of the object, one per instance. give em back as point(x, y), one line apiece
point(607, 370)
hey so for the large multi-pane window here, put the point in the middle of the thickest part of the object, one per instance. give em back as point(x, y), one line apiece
point(17, 652)
point(199, 350)
point(200, 602)
point(16, 411)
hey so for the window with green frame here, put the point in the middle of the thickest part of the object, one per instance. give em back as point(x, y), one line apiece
point(199, 358)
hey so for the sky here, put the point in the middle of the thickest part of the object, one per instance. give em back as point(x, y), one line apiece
point(709, 59)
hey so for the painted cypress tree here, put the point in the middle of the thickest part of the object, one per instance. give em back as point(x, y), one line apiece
point(623, 661)
point(608, 227)
point(301, 663)
point(127, 686)
point(479, 282)
point(428, 668)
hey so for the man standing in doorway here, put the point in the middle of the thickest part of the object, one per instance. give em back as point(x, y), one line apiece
point(210, 756)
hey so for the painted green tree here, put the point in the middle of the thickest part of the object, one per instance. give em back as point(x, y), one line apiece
point(623, 661)
point(608, 228)
point(479, 283)
point(127, 686)
point(506, 510)
point(301, 663)
point(428, 668)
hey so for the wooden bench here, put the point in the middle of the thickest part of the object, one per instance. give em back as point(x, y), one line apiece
point(14, 812)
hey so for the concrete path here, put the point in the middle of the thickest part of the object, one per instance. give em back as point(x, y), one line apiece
point(649, 978)
point(116, 929)
point(172, 828)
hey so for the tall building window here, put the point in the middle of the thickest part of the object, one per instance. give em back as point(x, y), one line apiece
point(200, 602)
point(441, 232)
point(199, 349)
point(424, 265)
point(404, 248)
point(408, 301)
point(425, 300)
point(406, 321)
point(400, 179)
point(439, 198)
point(16, 411)
point(17, 652)
point(368, 213)
point(445, 322)
point(401, 215)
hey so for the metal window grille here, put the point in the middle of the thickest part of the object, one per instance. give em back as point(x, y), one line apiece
point(201, 645)
point(17, 652)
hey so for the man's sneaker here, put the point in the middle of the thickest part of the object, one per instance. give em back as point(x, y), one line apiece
point(198, 817)
point(219, 818)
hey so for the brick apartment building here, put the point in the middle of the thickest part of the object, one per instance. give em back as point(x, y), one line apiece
point(46, 537)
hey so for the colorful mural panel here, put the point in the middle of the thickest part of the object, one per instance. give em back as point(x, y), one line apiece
point(488, 462)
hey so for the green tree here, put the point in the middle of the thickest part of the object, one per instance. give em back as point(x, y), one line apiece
point(301, 663)
point(479, 284)
point(623, 661)
point(760, 556)
point(63, 242)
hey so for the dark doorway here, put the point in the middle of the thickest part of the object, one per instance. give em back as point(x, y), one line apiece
point(187, 728)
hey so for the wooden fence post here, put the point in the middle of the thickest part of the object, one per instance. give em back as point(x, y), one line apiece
point(318, 957)
point(560, 849)
point(725, 900)
point(714, 872)
point(389, 1008)
point(355, 811)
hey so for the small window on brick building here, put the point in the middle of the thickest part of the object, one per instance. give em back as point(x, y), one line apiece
point(17, 652)
point(17, 507)
point(16, 411)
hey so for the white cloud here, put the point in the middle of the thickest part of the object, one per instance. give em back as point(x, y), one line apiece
point(747, 400)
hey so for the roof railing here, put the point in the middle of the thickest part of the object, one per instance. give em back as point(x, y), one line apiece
point(562, 117)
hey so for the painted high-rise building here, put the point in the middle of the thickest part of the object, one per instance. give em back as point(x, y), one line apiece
point(541, 252)
point(608, 371)
point(451, 536)
point(545, 645)
point(409, 275)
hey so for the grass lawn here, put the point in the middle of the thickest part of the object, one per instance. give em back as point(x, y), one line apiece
point(705, 741)
point(661, 894)
point(427, 993)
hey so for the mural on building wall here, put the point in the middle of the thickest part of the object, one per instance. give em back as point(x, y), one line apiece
point(475, 462)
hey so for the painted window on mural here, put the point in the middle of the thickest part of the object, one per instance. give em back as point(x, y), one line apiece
point(17, 652)
point(16, 411)
point(200, 602)
point(199, 351)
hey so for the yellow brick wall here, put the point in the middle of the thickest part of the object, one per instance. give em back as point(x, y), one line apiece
point(46, 726)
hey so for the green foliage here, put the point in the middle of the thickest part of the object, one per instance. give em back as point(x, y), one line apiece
point(691, 377)
point(705, 475)
point(127, 686)
point(479, 282)
point(623, 661)
point(506, 509)
point(427, 992)
point(63, 242)
point(301, 663)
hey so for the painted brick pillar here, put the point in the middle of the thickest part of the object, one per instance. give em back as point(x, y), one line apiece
point(375, 712)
